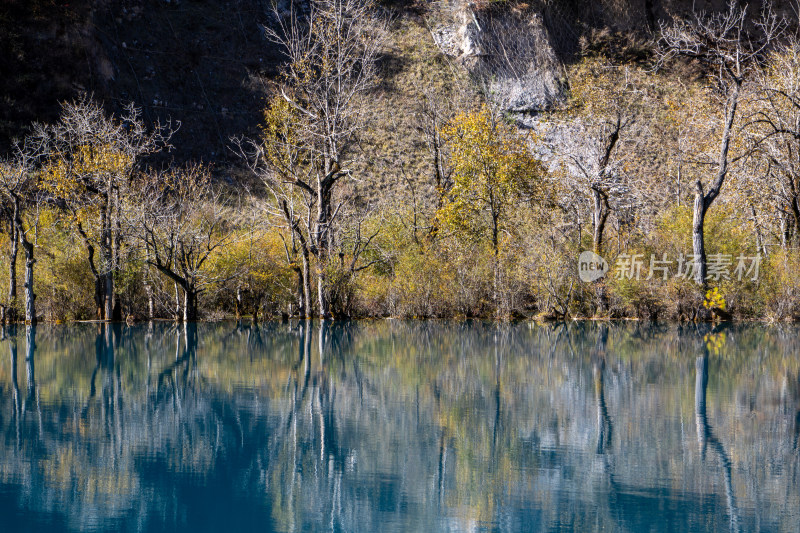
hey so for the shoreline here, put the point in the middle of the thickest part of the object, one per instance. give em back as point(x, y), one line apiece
point(454, 319)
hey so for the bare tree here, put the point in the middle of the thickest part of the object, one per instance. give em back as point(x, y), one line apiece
point(182, 222)
point(735, 48)
point(9, 310)
point(93, 158)
point(281, 160)
point(18, 184)
point(773, 132)
point(601, 151)
point(332, 54)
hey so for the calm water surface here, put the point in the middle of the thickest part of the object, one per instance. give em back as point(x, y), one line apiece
point(399, 426)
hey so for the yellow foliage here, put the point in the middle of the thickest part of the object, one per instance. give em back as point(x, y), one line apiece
point(714, 299)
point(493, 169)
point(87, 165)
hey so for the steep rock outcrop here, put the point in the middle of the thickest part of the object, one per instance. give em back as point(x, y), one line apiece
point(508, 50)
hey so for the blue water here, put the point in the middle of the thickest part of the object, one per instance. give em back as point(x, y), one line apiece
point(400, 426)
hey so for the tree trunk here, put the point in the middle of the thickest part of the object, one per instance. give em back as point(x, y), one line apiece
point(107, 251)
point(324, 311)
point(189, 304)
point(306, 283)
point(795, 207)
point(99, 284)
point(177, 312)
point(301, 296)
point(105, 258)
point(108, 302)
point(27, 246)
point(150, 304)
point(698, 242)
point(703, 201)
point(322, 289)
point(322, 263)
point(30, 306)
point(322, 295)
point(99, 295)
point(322, 237)
point(238, 303)
point(116, 246)
point(600, 216)
point(759, 235)
point(12, 271)
point(496, 260)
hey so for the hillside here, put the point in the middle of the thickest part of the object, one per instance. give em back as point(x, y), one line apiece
point(199, 63)
point(206, 63)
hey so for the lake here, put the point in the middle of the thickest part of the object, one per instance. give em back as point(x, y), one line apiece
point(400, 426)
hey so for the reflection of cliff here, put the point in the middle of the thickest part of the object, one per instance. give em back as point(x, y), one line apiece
point(359, 425)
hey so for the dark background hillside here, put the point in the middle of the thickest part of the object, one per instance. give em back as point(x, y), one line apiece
point(204, 63)
point(196, 61)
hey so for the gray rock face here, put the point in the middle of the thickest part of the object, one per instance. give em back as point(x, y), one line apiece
point(507, 50)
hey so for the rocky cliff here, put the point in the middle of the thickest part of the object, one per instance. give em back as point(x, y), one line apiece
point(508, 50)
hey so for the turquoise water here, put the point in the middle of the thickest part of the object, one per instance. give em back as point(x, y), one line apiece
point(400, 426)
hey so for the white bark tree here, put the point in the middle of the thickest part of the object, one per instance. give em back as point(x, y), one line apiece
point(92, 160)
point(331, 67)
point(600, 139)
point(735, 48)
point(19, 187)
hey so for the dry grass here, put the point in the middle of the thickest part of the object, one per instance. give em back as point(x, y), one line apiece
point(413, 68)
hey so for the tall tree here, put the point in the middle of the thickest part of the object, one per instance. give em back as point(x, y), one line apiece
point(9, 311)
point(602, 150)
point(734, 47)
point(282, 162)
point(19, 186)
point(93, 157)
point(182, 224)
point(332, 52)
point(493, 171)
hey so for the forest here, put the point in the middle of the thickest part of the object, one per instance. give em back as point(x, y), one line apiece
point(396, 167)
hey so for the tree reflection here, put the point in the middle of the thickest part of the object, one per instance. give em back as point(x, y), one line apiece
point(30, 371)
point(177, 378)
point(15, 399)
point(606, 427)
point(706, 437)
point(355, 425)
